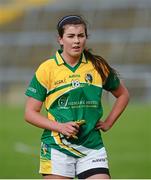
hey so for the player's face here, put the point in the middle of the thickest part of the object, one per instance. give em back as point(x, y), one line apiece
point(73, 40)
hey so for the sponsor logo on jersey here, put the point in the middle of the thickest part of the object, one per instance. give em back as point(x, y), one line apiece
point(32, 89)
point(74, 76)
point(99, 160)
point(63, 101)
point(60, 81)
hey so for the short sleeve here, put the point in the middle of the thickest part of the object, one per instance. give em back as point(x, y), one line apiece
point(39, 83)
point(36, 90)
point(112, 82)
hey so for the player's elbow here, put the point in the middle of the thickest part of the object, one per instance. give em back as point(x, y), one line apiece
point(27, 115)
point(127, 95)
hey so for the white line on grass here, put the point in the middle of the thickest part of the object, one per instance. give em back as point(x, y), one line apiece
point(24, 148)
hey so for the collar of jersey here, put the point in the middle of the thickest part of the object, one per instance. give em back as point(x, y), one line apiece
point(60, 61)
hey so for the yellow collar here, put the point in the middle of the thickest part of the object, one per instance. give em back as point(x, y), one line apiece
point(60, 60)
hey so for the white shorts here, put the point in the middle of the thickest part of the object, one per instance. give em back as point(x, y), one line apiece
point(68, 166)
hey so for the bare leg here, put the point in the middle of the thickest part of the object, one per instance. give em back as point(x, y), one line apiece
point(52, 176)
point(99, 176)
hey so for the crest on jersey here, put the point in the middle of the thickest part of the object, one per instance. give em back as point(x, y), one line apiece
point(88, 78)
point(75, 83)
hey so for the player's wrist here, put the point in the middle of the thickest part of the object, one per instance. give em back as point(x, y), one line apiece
point(108, 125)
point(56, 126)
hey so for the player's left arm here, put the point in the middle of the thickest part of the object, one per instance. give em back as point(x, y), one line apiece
point(122, 98)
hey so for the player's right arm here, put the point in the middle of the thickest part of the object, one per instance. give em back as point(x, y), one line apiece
point(34, 117)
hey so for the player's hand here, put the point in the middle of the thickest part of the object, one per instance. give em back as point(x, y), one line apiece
point(69, 129)
point(79, 123)
point(104, 126)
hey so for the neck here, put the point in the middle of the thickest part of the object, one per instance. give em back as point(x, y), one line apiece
point(72, 61)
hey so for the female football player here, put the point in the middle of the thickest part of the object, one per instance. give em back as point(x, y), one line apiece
point(70, 84)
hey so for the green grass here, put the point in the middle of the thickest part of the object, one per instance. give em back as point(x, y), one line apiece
point(128, 144)
point(19, 142)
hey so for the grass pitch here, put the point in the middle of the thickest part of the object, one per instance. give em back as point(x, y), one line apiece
point(128, 144)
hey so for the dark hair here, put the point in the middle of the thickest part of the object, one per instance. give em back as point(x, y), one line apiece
point(99, 63)
point(70, 19)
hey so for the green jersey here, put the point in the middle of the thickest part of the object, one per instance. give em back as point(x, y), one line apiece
point(71, 94)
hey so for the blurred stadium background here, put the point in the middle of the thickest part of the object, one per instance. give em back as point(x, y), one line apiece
point(119, 30)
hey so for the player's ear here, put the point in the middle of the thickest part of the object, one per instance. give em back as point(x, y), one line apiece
point(60, 40)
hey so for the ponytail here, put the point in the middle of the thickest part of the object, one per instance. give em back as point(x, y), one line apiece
point(100, 64)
